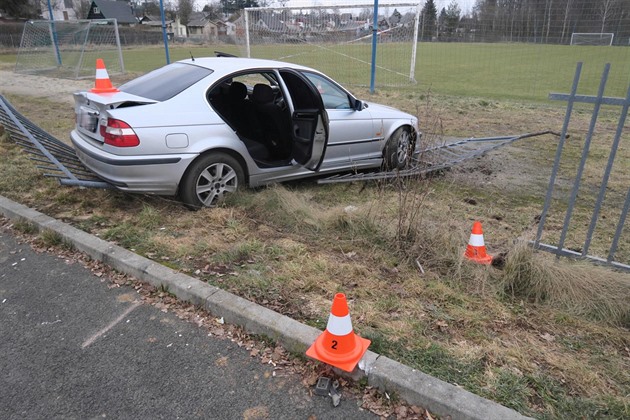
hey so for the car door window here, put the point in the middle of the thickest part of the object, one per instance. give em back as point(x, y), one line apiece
point(333, 96)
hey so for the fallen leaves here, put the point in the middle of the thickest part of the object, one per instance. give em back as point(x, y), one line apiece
point(279, 361)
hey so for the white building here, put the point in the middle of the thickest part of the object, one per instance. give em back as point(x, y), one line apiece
point(61, 10)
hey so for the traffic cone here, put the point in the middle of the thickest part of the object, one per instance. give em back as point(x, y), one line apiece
point(102, 83)
point(339, 346)
point(476, 250)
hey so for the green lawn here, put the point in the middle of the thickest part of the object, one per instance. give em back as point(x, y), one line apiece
point(522, 71)
point(498, 71)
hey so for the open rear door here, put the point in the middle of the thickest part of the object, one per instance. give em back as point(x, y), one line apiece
point(309, 125)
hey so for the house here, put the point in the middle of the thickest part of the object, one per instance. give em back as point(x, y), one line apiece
point(106, 9)
point(345, 18)
point(61, 10)
point(221, 28)
point(174, 28)
point(271, 23)
point(202, 29)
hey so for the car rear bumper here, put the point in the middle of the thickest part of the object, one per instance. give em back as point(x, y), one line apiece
point(153, 174)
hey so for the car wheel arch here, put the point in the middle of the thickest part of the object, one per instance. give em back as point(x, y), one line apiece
point(388, 137)
point(230, 152)
point(394, 127)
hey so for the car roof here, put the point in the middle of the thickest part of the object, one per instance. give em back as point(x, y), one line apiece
point(225, 65)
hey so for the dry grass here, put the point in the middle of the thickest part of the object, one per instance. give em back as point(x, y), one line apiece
point(543, 336)
point(578, 287)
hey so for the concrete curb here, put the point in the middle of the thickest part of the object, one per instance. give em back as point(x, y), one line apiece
point(413, 386)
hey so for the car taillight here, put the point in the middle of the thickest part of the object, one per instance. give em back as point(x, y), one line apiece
point(118, 133)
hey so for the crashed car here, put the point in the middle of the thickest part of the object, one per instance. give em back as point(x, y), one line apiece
point(201, 128)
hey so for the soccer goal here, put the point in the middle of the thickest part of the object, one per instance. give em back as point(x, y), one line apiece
point(69, 48)
point(592, 38)
point(336, 40)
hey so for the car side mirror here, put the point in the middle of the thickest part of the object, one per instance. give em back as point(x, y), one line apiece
point(359, 105)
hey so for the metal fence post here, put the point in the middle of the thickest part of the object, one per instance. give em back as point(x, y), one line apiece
point(556, 162)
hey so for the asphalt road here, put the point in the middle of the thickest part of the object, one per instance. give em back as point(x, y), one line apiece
point(70, 347)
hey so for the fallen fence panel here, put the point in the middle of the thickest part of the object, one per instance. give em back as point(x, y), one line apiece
point(437, 158)
point(46, 149)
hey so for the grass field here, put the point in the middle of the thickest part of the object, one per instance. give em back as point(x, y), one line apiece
point(497, 71)
point(549, 338)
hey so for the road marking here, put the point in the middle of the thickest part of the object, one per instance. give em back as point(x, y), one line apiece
point(110, 326)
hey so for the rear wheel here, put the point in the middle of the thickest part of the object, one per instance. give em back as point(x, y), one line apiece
point(210, 179)
point(399, 149)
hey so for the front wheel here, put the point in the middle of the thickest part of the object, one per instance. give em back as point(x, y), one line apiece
point(399, 149)
point(210, 179)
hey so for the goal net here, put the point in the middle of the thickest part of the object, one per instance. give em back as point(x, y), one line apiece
point(69, 48)
point(336, 40)
point(592, 38)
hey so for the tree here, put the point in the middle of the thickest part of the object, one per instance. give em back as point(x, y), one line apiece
point(428, 19)
point(184, 9)
point(151, 8)
point(396, 16)
point(212, 11)
point(452, 15)
point(81, 8)
point(607, 10)
point(26, 9)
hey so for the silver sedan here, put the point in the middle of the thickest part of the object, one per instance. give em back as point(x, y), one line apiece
point(203, 127)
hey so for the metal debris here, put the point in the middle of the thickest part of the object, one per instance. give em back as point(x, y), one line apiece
point(335, 393)
point(322, 386)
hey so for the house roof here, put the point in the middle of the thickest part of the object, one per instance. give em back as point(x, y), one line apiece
point(119, 10)
point(151, 18)
point(196, 16)
point(198, 22)
point(157, 23)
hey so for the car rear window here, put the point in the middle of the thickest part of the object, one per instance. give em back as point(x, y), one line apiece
point(164, 83)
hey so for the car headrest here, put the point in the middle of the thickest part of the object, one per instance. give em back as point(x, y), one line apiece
point(262, 94)
point(238, 91)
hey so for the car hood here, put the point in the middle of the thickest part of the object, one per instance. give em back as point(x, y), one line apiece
point(384, 111)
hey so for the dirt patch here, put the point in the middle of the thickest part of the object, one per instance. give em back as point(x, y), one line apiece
point(58, 90)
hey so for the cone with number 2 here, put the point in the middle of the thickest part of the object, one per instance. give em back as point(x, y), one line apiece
point(339, 346)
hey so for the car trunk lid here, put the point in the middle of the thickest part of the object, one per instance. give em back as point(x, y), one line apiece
point(91, 110)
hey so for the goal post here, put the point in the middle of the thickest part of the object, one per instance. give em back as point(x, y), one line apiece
point(603, 38)
point(69, 48)
point(336, 40)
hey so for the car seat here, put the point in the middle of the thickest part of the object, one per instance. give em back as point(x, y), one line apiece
point(274, 122)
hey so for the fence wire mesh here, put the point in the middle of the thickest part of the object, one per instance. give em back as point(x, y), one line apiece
point(69, 48)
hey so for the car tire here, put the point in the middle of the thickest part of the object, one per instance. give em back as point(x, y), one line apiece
point(209, 179)
point(399, 149)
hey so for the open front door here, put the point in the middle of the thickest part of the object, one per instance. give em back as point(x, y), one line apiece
point(309, 120)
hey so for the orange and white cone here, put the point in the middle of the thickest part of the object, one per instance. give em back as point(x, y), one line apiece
point(102, 84)
point(476, 250)
point(339, 346)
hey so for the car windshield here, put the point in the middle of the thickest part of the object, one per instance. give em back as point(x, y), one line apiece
point(164, 83)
